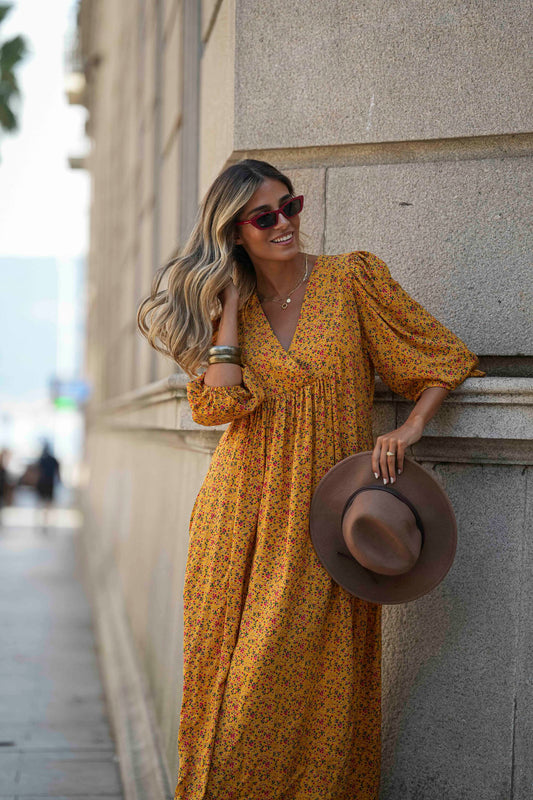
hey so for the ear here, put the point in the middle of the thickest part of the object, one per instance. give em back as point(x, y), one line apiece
point(236, 237)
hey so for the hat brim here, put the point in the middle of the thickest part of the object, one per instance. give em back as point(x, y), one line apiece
point(433, 506)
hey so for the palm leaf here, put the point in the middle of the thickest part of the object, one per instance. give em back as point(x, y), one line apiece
point(8, 121)
point(5, 8)
point(11, 52)
point(8, 89)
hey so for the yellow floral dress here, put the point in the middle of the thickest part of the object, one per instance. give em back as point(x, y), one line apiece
point(281, 692)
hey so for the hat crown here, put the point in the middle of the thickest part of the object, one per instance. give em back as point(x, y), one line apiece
point(344, 536)
point(380, 532)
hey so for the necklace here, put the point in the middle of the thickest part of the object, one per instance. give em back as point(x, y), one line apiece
point(285, 302)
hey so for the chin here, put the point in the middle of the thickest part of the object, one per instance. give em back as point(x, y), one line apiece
point(286, 253)
point(289, 252)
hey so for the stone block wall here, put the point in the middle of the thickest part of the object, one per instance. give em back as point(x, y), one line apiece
point(407, 127)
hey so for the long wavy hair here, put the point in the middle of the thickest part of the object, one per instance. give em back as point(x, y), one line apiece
point(178, 320)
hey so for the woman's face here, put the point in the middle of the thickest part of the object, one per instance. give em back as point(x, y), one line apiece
point(261, 245)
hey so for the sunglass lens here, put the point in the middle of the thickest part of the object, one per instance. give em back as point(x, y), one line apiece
point(293, 207)
point(266, 220)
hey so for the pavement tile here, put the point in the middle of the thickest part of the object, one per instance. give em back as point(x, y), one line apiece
point(12, 736)
point(54, 711)
point(49, 775)
point(81, 754)
point(66, 735)
point(70, 690)
point(11, 742)
point(55, 740)
point(9, 764)
point(19, 685)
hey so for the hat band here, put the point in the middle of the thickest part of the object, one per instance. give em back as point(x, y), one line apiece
point(396, 494)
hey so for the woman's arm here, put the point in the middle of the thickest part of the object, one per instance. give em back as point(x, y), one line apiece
point(225, 392)
point(407, 434)
point(226, 374)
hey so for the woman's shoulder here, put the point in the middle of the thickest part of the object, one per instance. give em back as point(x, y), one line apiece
point(362, 266)
point(362, 275)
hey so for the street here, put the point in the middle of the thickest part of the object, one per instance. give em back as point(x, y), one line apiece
point(55, 740)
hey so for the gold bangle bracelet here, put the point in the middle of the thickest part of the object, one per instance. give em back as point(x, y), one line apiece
point(224, 349)
point(224, 358)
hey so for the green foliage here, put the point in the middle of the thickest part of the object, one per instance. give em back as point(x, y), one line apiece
point(12, 52)
point(5, 8)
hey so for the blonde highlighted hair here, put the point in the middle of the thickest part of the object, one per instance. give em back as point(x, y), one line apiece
point(178, 320)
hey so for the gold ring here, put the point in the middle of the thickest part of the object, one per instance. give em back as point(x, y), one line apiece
point(390, 454)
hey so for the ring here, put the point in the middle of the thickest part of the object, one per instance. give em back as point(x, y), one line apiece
point(390, 454)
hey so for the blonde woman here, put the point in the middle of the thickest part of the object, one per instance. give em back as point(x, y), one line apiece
point(281, 683)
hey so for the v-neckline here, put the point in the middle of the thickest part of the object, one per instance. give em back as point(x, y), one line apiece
point(302, 309)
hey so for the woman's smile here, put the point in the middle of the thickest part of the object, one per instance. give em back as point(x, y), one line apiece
point(285, 239)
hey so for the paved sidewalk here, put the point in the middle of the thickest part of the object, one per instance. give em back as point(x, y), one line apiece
point(55, 740)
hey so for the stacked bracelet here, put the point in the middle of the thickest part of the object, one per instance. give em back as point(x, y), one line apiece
point(224, 354)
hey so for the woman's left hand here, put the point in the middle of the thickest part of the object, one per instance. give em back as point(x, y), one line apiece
point(396, 443)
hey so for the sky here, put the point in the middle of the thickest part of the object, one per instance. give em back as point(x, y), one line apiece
point(43, 203)
point(43, 237)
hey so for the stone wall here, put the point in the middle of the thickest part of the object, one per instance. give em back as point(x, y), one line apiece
point(406, 127)
point(143, 126)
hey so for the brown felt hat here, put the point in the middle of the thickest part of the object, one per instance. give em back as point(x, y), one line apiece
point(386, 544)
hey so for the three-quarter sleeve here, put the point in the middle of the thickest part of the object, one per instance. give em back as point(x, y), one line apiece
point(409, 348)
point(215, 405)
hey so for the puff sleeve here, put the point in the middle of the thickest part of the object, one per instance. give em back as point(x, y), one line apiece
point(409, 348)
point(215, 405)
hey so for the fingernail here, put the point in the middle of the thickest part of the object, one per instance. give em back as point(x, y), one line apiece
point(392, 480)
point(384, 480)
point(399, 472)
point(376, 475)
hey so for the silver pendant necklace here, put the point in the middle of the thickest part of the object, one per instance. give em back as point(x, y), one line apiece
point(285, 302)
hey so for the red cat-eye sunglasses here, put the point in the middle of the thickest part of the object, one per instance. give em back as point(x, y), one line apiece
point(267, 219)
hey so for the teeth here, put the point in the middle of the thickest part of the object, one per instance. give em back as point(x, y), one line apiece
point(283, 238)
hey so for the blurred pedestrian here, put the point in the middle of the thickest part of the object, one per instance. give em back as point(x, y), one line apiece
point(48, 469)
point(4, 482)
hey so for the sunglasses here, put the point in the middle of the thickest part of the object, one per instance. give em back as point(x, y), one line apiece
point(267, 219)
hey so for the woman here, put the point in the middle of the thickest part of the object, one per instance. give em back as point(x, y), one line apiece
point(281, 695)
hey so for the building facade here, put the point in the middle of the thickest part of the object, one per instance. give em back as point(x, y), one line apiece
point(406, 125)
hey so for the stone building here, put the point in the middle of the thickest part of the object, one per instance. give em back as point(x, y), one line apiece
point(405, 125)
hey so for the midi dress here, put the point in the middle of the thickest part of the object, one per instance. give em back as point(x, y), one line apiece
point(281, 681)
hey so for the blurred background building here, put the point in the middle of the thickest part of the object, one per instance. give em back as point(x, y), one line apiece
point(43, 244)
point(42, 385)
point(406, 127)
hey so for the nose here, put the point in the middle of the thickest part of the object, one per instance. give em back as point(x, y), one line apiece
point(282, 219)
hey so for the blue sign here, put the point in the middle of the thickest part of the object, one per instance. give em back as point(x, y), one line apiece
point(76, 391)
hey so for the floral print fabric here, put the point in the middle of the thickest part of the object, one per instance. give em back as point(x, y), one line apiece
point(281, 691)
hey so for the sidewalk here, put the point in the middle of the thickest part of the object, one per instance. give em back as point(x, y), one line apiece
point(55, 740)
